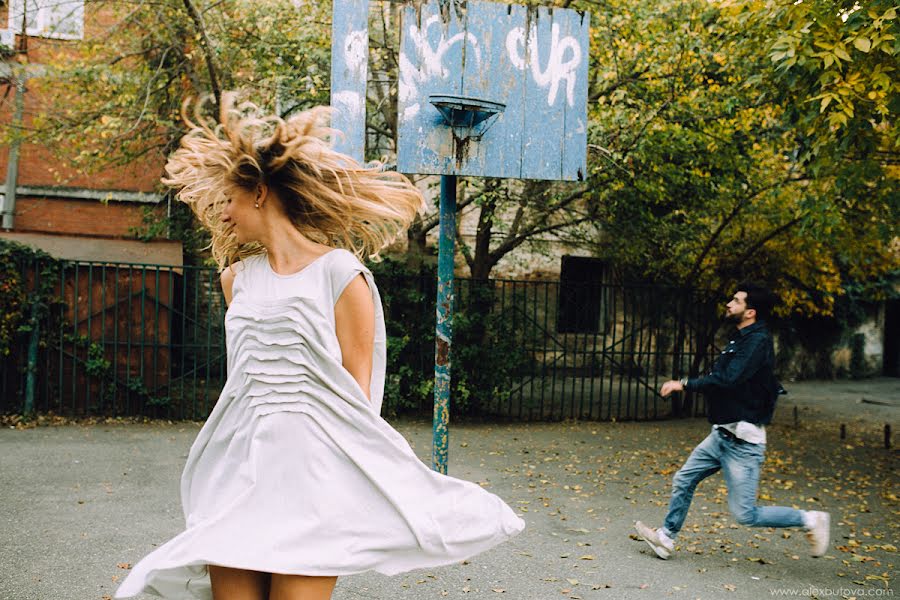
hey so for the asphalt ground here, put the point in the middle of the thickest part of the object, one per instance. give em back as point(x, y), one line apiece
point(82, 502)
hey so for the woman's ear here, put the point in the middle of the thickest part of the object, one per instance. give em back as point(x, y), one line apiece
point(262, 191)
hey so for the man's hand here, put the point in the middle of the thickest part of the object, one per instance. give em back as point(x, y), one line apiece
point(669, 387)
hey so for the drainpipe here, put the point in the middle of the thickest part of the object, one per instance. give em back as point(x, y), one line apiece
point(12, 167)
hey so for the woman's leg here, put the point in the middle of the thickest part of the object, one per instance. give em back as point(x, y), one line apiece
point(238, 584)
point(301, 587)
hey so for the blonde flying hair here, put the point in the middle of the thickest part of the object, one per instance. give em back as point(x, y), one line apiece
point(328, 196)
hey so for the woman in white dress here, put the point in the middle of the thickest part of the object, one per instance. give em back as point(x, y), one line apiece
point(295, 479)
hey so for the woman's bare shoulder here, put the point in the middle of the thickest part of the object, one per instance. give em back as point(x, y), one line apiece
point(227, 276)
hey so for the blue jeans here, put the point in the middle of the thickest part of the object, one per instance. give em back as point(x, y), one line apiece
point(740, 462)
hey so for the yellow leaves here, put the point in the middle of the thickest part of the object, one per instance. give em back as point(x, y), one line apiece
point(862, 44)
point(840, 51)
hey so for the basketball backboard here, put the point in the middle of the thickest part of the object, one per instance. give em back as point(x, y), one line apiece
point(532, 62)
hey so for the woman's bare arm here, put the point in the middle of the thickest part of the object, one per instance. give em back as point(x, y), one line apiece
point(227, 280)
point(354, 319)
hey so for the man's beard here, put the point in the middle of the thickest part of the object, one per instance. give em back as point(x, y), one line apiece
point(734, 317)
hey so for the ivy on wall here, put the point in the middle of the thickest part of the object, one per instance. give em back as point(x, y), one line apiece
point(23, 303)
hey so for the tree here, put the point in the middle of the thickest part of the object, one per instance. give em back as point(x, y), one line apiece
point(116, 97)
point(701, 177)
point(740, 138)
point(839, 63)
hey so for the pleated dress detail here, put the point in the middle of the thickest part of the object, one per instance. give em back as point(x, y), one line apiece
point(295, 471)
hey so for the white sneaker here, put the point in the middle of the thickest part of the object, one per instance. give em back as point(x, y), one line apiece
point(819, 531)
point(663, 546)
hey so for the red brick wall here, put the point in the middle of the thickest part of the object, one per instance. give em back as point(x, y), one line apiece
point(39, 166)
point(68, 216)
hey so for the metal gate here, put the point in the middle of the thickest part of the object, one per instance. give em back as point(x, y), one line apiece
point(127, 339)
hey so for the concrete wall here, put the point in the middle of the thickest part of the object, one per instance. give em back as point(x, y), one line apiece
point(822, 349)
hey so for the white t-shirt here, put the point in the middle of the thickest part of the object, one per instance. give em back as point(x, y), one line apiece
point(754, 434)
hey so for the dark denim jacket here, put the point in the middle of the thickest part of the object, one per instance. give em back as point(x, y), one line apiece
point(742, 384)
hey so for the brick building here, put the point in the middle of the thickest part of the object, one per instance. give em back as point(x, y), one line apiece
point(128, 314)
point(46, 203)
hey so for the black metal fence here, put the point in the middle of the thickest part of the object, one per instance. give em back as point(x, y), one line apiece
point(600, 352)
point(127, 339)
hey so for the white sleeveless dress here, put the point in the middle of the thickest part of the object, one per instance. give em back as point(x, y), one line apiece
point(295, 471)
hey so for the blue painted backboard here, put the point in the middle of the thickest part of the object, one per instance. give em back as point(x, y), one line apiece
point(533, 61)
point(349, 67)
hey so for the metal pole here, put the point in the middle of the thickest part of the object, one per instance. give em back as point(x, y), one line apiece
point(31, 368)
point(444, 329)
point(12, 166)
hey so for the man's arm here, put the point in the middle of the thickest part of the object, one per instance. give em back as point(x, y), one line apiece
point(748, 359)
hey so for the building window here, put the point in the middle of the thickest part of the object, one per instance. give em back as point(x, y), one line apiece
point(581, 295)
point(57, 19)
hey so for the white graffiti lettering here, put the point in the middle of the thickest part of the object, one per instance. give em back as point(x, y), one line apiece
point(350, 104)
point(356, 46)
point(523, 49)
point(430, 63)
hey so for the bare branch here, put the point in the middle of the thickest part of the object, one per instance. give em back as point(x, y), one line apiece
point(509, 245)
point(739, 205)
point(197, 18)
point(767, 238)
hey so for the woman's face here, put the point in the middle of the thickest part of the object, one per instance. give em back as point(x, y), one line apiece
point(242, 214)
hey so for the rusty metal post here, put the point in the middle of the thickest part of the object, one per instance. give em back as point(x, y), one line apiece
point(444, 328)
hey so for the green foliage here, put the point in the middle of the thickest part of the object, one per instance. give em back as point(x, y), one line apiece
point(12, 298)
point(486, 354)
point(101, 369)
point(839, 63)
point(178, 224)
point(409, 320)
point(116, 97)
point(739, 139)
point(30, 298)
point(703, 172)
point(20, 297)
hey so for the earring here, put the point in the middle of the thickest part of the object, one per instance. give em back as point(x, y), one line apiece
point(257, 204)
